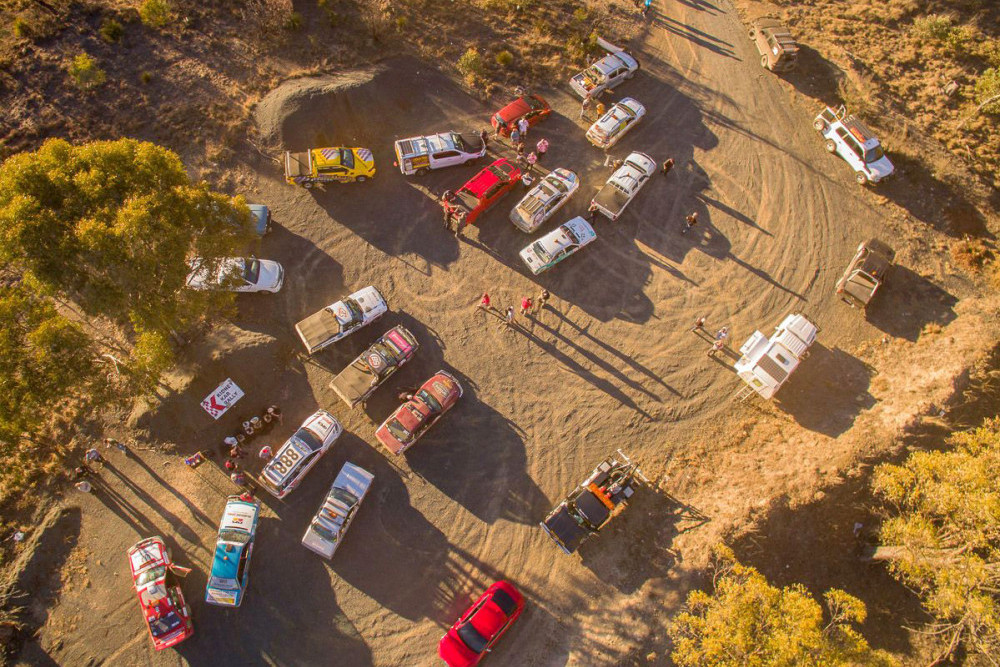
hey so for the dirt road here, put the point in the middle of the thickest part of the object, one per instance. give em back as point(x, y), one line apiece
point(610, 363)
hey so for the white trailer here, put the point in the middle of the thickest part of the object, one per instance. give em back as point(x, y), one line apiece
point(767, 362)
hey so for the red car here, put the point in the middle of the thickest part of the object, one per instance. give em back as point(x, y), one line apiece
point(167, 615)
point(482, 191)
point(412, 419)
point(532, 107)
point(475, 633)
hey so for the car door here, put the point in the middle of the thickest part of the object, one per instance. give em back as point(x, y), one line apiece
point(447, 158)
point(846, 148)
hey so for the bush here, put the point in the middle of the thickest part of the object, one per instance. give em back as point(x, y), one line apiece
point(471, 63)
point(111, 31)
point(505, 58)
point(933, 27)
point(22, 29)
point(145, 77)
point(85, 72)
point(988, 87)
point(156, 13)
point(402, 22)
point(580, 14)
point(972, 254)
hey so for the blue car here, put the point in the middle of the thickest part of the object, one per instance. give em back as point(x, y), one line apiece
point(230, 574)
point(260, 216)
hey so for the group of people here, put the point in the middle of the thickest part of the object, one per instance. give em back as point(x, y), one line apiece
point(719, 341)
point(91, 457)
point(234, 444)
point(528, 307)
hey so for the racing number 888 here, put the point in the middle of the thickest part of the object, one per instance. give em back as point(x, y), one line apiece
point(285, 462)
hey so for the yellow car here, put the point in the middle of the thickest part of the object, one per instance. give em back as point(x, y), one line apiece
point(329, 165)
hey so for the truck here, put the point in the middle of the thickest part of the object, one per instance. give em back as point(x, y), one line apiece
point(777, 48)
point(327, 529)
point(766, 363)
point(417, 155)
point(854, 141)
point(606, 73)
point(341, 318)
point(375, 365)
point(603, 495)
point(871, 265)
point(329, 165)
point(623, 185)
point(481, 192)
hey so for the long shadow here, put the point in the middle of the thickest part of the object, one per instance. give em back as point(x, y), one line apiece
point(195, 511)
point(827, 391)
point(142, 494)
point(701, 6)
point(907, 302)
point(120, 506)
point(695, 36)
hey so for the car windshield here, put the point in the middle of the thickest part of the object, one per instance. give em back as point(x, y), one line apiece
point(427, 398)
point(309, 439)
point(151, 574)
point(347, 158)
point(234, 536)
point(356, 313)
point(555, 183)
point(459, 142)
point(475, 641)
point(345, 496)
point(398, 431)
point(165, 624)
point(874, 154)
point(569, 232)
point(251, 271)
point(541, 252)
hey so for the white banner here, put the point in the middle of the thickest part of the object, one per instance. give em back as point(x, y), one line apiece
point(223, 398)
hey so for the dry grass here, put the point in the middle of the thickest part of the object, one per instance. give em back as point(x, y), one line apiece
point(971, 254)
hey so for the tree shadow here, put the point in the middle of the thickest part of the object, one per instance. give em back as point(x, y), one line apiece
point(907, 302)
point(695, 36)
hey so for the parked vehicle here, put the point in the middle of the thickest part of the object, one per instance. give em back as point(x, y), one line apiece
point(849, 138)
point(618, 120)
point(545, 198)
point(412, 419)
point(482, 191)
point(557, 245)
point(767, 363)
point(260, 217)
point(606, 73)
point(871, 265)
point(603, 495)
point(167, 615)
point(327, 529)
point(777, 47)
point(329, 165)
point(531, 107)
point(375, 365)
point(230, 573)
point(478, 630)
point(417, 155)
point(341, 319)
point(235, 274)
point(624, 185)
point(285, 471)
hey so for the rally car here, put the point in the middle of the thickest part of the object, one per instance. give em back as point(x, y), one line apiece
point(236, 274)
point(412, 419)
point(606, 73)
point(230, 574)
point(547, 197)
point(557, 245)
point(530, 107)
point(375, 365)
point(327, 529)
point(417, 155)
point(482, 191)
point(852, 140)
point(167, 615)
point(329, 165)
point(613, 125)
point(341, 319)
point(477, 631)
point(300, 453)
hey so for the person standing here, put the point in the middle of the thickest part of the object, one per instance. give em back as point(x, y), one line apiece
point(484, 303)
point(690, 222)
point(722, 334)
point(485, 136)
point(230, 465)
point(716, 347)
point(543, 298)
point(265, 453)
point(526, 306)
point(531, 160)
point(92, 456)
point(585, 106)
point(667, 166)
point(698, 324)
point(275, 412)
point(523, 125)
point(508, 319)
point(541, 148)
point(515, 136)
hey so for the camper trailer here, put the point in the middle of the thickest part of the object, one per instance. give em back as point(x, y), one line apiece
point(767, 362)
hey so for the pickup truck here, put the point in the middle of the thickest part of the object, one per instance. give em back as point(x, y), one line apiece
point(417, 155)
point(327, 529)
point(623, 185)
point(340, 319)
point(482, 191)
point(592, 505)
point(606, 73)
point(375, 365)
point(329, 165)
point(871, 265)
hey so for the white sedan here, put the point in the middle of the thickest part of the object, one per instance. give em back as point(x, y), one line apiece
point(547, 197)
point(341, 319)
point(557, 245)
point(613, 125)
point(300, 453)
point(236, 274)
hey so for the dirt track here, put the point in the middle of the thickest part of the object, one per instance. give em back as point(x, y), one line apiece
point(610, 364)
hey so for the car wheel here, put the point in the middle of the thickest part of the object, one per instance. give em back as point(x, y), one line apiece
point(763, 62)
point(630, 75)
point(861, 177)
point(819, 124)
point(360, 179)
point(307, 185)
point(422, 171)
point(831, 147)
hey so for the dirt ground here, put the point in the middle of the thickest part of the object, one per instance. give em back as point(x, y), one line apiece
point(610, 363)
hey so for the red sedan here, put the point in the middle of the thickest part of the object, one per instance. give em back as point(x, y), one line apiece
point(482, 191)
point(530, 107)
point(412, 419)
point(167, 615)
point(475, 633)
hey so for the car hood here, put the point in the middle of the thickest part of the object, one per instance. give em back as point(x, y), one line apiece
point(240, 515)
point(271, 275)
point(364, 161)
point(881, 167)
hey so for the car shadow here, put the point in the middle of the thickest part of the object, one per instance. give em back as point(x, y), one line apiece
point(907, 303)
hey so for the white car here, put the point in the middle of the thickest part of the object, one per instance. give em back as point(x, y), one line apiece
point(849, 138)
point(557, 245)
point(547, 197)
point(613, 125)
point(605, 74)
point(341, 319)
point(300, 453)
point(624, 185)
point(236, 274)
point(418, 154)
point(328, 527)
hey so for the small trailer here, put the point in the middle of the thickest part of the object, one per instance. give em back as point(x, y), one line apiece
point(767, 362)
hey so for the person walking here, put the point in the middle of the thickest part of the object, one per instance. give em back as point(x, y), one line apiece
point(699, 324)
point(689, 222)
point(111, 442)
point(508, 319)
point(542, 299)
point(541, 148)
point(526, 306)
point(592, 213)
point(523, 126)
point(515, 136)
point(275, 412)
point(716, 347)
point(588, 102)
point(668, 164)
point(531, 160)
point(265, 454)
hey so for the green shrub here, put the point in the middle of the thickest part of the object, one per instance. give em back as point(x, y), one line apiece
point(505, 58)
point(156, 13)
point(933, 27)
point(85, 72)
point(294, 21)
point(22, 29)
point(580, 14)
point(988, 86)
point(402, 22)
point(471, 63)
point(111, 31)
point(145, 77)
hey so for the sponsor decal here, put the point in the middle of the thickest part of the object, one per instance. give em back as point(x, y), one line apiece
point(330, 153)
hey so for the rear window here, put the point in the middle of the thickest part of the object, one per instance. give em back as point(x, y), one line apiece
point(472, 638)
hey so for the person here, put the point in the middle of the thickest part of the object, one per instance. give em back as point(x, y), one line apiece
point(265, 454)
point(484, 303)
point(445, 198)
point(275, 412)
point(543, 298)
point(645, 6)
point(585, 107)
point(600, 109)
point(519, 147)
point(667, 166)
point(526, 305)
point(531, 160)
point(541, 148)
point(231, 441)
point(235, 452)
point(690, 222)
point(230, 465)
point(268, 420)
point(256, 423)
point(239, 478)
point(722, 334)
point(460, 226)
point(92, 456)
point(111, 442)
point(592, 213)
point(522, 126)
point(508, 318)
point(405, 396)
point(716, 346)
point(484, 134)
point(699, 324)
point(247, 496)
point(248, 428)
point(515, 136)
point(83, 485)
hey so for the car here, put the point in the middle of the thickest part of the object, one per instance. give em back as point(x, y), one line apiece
point(615, 123)
point(849, 138)
point(289, 465)
point(341, 319)
point(606, 73)
point(260, 218)
point(623, 185)
point(338, 164)
point(417, 155)
point(167, 616)
point(545, 198)
point(777, 48)
point(477, 631)
point(871, 265)
point(230, 573)
point(557, 245)
point(235, 274)
point(412, 419)
point(375, 365)
point(327, 529)
point(531, 107)
point(482, 191)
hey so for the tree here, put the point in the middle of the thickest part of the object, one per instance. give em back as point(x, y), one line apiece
point(747, 622)
point(944, 530)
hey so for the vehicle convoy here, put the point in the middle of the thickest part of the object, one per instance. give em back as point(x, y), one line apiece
point(477, 631)
point(870, 267)
point(617, 121)
point(412, 419)
point(482, 191)
point(849, 138)
point(777, 47)
point(327, 529)
point(329, 165)
point(606, 73)
point(417, 155)
point(230, 574)
point(545, 198)
point(284, 472)
point(557, 245)
point(375, 365)
point(166, 614)
point(235, 274)
point(768, 362)
point(340, 319)
point(591, 506)
point(532, 108)
point(624, 185)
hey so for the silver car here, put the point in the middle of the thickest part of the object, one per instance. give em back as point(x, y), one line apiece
point(327, 529)
point(547, 197)
point(236, 274)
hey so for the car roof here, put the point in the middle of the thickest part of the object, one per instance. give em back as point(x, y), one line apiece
point(226, 563)
point(613, 60)
point(148, 553)
point(521, 106)
point(487, 178)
